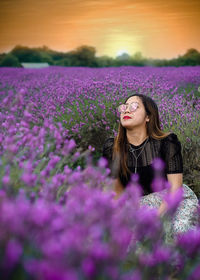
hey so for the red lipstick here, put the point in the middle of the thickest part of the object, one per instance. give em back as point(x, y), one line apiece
point(126, 117)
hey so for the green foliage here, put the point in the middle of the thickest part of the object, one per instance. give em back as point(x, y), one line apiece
point(10, 60)
point(25, 54)
point(86, 56)
point(105, 61)
point(136, 60)
point(188, 134)
point(191, 162)
point(191, 57)
point(93, 130)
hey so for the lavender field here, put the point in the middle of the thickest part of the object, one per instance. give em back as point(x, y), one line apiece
point(58, 217)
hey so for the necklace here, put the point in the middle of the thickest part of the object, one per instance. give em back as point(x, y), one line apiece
point(133, 150)
point(136, 157)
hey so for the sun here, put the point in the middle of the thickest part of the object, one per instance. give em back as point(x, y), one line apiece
point(120, 52)
point(119, 43)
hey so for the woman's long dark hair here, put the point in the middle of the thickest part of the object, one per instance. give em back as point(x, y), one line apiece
point(120, 143)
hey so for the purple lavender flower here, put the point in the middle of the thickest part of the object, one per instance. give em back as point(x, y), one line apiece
point(12, 254)
point(173, 199)
point(65, 223)
point(190, 242)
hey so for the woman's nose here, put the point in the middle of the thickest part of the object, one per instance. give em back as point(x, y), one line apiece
point(127, 109)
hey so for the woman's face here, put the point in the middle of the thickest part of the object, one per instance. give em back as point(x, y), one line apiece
point(137, 118)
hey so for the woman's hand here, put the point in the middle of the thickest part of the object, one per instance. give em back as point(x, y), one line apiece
point(162, 209)
point(176, 181)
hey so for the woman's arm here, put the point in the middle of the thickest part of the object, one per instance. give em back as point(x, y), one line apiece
point(176, 181)
point(118, 187)
point(171, 150)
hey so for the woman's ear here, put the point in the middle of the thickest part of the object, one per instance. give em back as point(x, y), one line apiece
point(147, 119)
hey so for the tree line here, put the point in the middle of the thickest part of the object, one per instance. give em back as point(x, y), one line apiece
point(86, 56)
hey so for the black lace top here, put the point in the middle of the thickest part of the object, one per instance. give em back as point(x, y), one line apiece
point(168, 149)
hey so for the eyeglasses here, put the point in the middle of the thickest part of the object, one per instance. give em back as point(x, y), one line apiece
point(132, 107)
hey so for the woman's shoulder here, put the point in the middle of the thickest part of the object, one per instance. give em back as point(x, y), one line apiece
point(171, 144)
point(171, 137)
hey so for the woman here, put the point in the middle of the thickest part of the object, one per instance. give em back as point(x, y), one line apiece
point(139, 141)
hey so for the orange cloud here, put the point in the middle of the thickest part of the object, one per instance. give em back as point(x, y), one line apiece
point(157, 29)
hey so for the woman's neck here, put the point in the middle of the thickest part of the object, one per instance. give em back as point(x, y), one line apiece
point(136, 137)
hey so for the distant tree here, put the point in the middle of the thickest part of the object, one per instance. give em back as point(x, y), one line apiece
point(45, 57)
point(56, 56)
point(138, 56)
point(138, 60)
point(84, 56)
point(2, 55)
point(191, 52)
point(25, 54)
point(123, 56)
point(122, 59)
point(51, 56)
point(66, 61)
point(10, 60)
point(104, 61)
point(164, 62)
point(44, 48)
point(191, 57)
point(125, 59)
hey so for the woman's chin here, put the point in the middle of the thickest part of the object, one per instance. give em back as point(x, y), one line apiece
point(127, 125)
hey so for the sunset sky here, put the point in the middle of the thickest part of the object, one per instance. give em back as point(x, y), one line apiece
point(156, 28)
